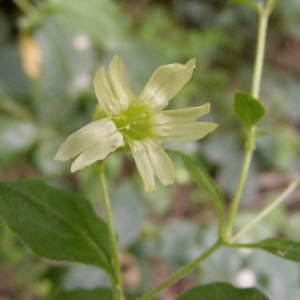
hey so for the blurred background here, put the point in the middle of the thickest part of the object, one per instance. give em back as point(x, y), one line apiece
point(49, 51)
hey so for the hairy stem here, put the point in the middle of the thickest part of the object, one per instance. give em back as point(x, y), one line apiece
point(183, 271)
point(269, 208)
point(117, 277)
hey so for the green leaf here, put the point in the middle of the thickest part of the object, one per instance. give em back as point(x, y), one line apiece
point(248, 109)
point(204, 181)
point(286, 249)
point(98, 294)
point(248, 3)
point(55, 224)
point(222, 291)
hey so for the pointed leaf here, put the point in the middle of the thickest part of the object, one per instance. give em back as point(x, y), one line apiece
point(248, 109)
point(206, 182)
point(55, 224)
point(248, 3)
point(285, 249)
point(222, 291)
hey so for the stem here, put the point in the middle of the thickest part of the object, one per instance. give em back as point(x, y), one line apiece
point(260, 52)
point(269, 208)
point(25, 6)
point(251, 135)
point(183, 271)
point(117, 277)
point(249, 148)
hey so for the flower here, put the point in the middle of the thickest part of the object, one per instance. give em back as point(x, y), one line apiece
point(123, 119)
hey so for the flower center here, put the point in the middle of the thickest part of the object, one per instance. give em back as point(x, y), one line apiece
point(135, 123)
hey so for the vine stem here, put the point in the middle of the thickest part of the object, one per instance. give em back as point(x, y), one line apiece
point(277, 201)
point(183, 271)
point(251, 134)
point(117, 277)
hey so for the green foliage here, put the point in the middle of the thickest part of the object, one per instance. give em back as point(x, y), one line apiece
point(200, 175)
point(248, 3)
point(55, 224)
point(285, 249)
point(248, 109)
point(103, 294)
point(222, 291)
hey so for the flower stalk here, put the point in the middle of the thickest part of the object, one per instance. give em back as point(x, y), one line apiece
point(117, 276)
point(183, 271)
point(268, 209)
point(263, 14)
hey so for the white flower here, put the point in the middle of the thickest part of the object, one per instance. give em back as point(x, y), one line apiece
point(123, 119)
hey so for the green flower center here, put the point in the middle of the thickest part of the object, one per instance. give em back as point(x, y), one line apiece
point(135, 123)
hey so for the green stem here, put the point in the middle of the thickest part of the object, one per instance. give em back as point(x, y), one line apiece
point(251, 135)
point(117, 277)
point(249, 148)
point(269, 208)
point(260, 52)
point(183, 271)
point(25, 6)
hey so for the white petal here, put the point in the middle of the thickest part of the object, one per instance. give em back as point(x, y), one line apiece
point(161, 162)
point(165, 83)
point(112, 87)
point(105, 94)
point(177, 116)
point(98, 151)
point(85, 137)
point(184, 132)
point(118, 76)
point(143, 164)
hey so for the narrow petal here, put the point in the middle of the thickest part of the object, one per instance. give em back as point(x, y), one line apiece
point(118, 76)
point(84, 138)
point(98, 151)
point(143, 164)
point(161, 162)
point(165, 83)
point(105, 94)
point(184, 132)
point(178, 116)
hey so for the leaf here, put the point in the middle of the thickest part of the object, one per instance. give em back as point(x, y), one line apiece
point(205, 181)
point(248, 109)
point(55, 224)
point(248, 3)
point(222, 291)
point(103, 294)
point(286, 249)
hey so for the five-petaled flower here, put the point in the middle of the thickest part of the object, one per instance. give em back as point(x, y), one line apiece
point(124, 119)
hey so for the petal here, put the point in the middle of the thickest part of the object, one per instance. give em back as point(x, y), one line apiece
point(118, 76)
point(166, 82)
point(161, 162)
point(98, 151)
point(84, 138)
point(112, 87)
point(178, 116)
point(185, 131)
point(143, 164)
